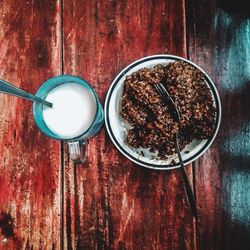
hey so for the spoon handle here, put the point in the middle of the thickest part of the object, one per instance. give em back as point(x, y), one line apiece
point(9, 88)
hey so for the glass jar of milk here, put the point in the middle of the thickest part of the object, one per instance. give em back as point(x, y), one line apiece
point(76, 114)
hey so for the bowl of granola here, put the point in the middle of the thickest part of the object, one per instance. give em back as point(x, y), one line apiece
point(139, 123)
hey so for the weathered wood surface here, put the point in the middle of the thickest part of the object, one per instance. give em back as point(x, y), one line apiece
point(219, 41)
point(29, 162)
point(110, 203)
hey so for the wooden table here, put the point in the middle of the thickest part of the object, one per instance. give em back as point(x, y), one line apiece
point(110, 203)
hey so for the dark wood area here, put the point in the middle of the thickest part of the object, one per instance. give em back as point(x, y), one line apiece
point(218, 41)
point(108, 202)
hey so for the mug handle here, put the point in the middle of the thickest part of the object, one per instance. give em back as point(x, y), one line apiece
point(78, 151)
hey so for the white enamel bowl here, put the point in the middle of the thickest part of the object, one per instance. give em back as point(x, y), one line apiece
point(117, 127)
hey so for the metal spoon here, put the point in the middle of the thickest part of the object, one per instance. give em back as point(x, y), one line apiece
point(8, 88)
point(167, 99)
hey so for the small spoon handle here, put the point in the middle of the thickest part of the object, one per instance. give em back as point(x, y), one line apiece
point(9, 88)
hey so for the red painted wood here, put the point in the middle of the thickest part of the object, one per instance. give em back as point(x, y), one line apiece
point(29, 162)
point(110, 202)
point(219, 42)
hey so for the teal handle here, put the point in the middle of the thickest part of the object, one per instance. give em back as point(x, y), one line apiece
point(10, 89)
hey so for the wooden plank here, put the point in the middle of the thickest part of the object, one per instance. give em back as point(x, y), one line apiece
point(111, 203)
point(29, 162)
point(219, 42)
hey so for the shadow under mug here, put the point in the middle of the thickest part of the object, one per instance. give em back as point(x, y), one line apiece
point(77, 145)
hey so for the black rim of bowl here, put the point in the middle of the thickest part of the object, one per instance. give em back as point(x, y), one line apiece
point(162, 166)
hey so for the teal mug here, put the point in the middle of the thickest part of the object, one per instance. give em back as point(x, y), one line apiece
point(76, 115)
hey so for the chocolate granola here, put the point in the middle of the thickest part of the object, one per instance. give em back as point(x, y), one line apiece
point(152, 125)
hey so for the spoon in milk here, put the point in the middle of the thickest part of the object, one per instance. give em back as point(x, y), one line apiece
point(8, 88)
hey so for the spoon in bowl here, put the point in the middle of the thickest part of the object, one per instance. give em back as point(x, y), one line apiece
point(8, 88)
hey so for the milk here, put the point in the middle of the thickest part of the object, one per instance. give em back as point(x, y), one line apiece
point(73, 111)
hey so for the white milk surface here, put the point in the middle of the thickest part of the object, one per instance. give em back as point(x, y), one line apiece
point(73, 111)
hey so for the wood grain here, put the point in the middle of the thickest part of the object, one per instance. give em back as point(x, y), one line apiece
point(219, 42)
point(111, 203)
point(29, 162)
